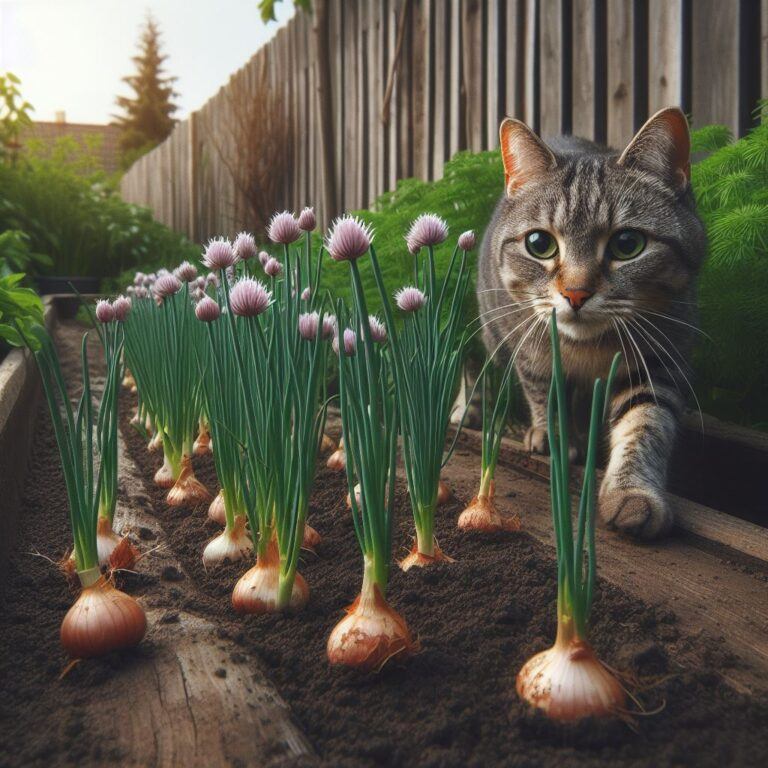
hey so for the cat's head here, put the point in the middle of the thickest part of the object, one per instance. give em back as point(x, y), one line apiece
point(596, 234)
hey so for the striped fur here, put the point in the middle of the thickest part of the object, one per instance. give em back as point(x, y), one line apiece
point(644, 308)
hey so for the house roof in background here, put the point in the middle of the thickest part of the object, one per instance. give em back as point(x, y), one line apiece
point(106, 138)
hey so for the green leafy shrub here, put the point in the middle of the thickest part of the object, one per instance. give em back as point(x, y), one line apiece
point(18, 307)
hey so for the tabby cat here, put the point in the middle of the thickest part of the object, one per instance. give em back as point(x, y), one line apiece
point(612, 243)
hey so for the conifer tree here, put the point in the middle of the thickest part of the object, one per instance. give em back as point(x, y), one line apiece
point(148, 115)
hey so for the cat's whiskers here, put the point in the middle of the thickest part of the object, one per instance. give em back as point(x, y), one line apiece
point(508, 313)
point(671, 343)
point(503, 341)
point(675, 320)
point(520, 305)
point(642, 358)
point(626, 357)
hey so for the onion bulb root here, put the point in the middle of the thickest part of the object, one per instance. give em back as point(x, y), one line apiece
point(312, 538)
point(482, 515)
point(417, 559)
point(230, 545)
point(327, 445)
point(202, 444)
point(568, 682)
point(370, 634)
point(164, 477)
point(188, 490)
point(103, 619)
point(258, 590)
point(156, 443)
point(338, 459)
point(114, 551)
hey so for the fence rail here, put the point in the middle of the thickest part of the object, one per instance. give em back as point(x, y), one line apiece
point(410, 82)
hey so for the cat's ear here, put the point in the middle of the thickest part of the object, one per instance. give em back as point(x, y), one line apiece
point(524, 154)
point(662, 147)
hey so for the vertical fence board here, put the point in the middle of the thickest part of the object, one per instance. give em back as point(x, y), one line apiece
point(621, 81)
point(473, 55)
point(551, 66)
point(665, 53)
point(584, 68)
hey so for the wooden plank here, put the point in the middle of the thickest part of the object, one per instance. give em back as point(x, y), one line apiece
point(583, 93)
point(551, 67)
point(472, 56)
point(621, 80)
point(514, 58)
point(456, 110)
point(665, 62)
point(441, 103)
point(715, 63)
point(493, 60)
point(529, 63)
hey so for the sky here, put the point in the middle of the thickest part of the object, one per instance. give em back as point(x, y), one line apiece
point(72, 54)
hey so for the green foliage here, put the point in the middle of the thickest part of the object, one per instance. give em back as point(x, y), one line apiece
point(14, 113)
point(20, 309)
point(731, 186)
point(148, 115)
point(16, 254)
point(267, 8)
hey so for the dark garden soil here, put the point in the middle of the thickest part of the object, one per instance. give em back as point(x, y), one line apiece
point(454, 704)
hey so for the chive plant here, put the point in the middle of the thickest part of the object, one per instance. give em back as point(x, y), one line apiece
point(103, 618)
point(427, 354)
point(568, 682)
point(282, 378)
point(225, 408)
point(482, 514)
point(372, 631)
point(161, 339)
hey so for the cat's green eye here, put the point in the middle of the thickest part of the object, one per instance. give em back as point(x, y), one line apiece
point(626, 244)
point(540, 244)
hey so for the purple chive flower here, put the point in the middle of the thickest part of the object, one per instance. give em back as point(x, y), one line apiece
point(428, 229)
point(467, 240)
point(207, 310)
point(348, 238)
point(309, 323)
point(149, 279)
point(307, 220)
point(166, 285)
point(283, 228)
point(186, 272)
point(212, 279)
point(141, 293)
point(138, 278)
point(121, 306)
point(329, 326)
point(104, 311)
point(410, 299)
point(306, 294)
point(378, 329)
point(264, 257)
point(350, 342)
point(273, 267)
point(218, 254)
point(162, 272)
point(198, 294)
point(244, 247)
point(249, 297)
point(200, 283)
point(130, 290)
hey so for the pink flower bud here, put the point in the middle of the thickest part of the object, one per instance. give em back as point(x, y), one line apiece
point(141, 293)
point(130, 290)
point(249, 297)
point(350, 342)
point(378, 329)
point(166, 285)
point(306, 294)
point(307, 220)
point(138, 278)
point(309, 322)
point(283, 228)
point(186, 272)
point(410, 299)
point(329, 326)
point(348, 239)
point(264, 257)
point(467, 240)
point(104, 312)
point(428, 229)
point(207, 310)
point(273, 267)
point(218, 254)
point(121, 306)
point(212, 279)
point(244, 247)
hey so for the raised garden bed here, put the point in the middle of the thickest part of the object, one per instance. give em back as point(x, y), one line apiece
point(210, 688)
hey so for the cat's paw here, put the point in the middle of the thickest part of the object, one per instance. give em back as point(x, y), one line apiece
point(535, 440)
point(639, 512)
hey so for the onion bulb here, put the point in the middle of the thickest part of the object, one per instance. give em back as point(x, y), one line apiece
point(338, 459)
point(482, 515)
point(156, 443)
point(217, 510)
point(114, 551)
point(188, 490)
point(327, 444)
point(358, 498)
point(443, 493)
point(418, 559)
point(568, 682)
point(370, 634)
point(257, 591)
point(136, 419)
point(128, 381)
point(311, 539)
point(202, 445)
point(164, 476)
point(103, 619)
point(231, 544)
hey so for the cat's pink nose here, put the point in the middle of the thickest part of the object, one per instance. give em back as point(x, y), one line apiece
point(576, 297)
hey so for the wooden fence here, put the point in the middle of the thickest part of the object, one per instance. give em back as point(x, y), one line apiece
point(411, 82)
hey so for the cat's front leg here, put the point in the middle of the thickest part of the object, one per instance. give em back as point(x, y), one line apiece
point(536, 391)
point(643, 430)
